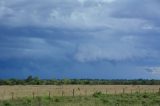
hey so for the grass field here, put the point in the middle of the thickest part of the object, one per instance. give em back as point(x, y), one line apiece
point(97, 99)
point(13, 92)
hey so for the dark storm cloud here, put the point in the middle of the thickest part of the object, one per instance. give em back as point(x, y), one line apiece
point(79, 32)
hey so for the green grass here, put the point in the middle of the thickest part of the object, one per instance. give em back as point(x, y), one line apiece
point(97, 99)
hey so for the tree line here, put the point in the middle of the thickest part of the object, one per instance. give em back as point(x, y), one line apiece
point(30, 80)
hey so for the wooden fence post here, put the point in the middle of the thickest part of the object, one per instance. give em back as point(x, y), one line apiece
point(159, 91)
point(106, 91)
point(85, 92)
point(12, 94)
point(115, 92)
point(33, 94)
point(49, 94)
point(73, 92)
point(139, 90)
point(123, 90)
point(62, 93)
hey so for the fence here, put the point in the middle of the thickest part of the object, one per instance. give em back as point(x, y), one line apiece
point(13, 92)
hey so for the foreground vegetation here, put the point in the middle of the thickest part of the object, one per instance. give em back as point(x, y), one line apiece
point(97, 99)
point(36, 81)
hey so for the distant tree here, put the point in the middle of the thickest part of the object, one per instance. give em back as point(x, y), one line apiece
point(7, 82)
point(29, 78)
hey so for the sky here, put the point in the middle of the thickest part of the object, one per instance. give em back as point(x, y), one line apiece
point(95, 39)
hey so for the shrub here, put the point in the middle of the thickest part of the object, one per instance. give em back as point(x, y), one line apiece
point(57, 100)
point(104, 100)
point(97, 94)
point(145, 96)
point(7, 103)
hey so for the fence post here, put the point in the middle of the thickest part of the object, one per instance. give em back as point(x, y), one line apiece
point(62, 93)
point(73, 92)
point(159, 91)
point(106, 91)
point(33, 94)
point(123, 90)
point(139, 90)
point(115, 92)
point(49, 94)
point(12, 93)
point(85, 92)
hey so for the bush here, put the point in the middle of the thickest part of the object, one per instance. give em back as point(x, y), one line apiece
point(7, 104)
point(104, 100)
point(57, 100)
point(97, 94)
point(145, 96)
